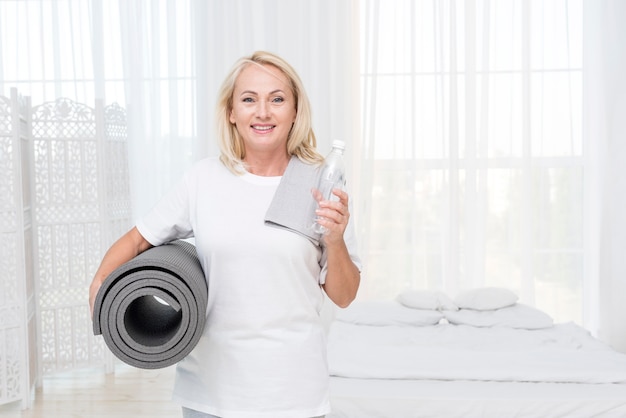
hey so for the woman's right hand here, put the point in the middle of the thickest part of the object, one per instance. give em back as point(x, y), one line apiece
point(130, 245)
point(93, 292)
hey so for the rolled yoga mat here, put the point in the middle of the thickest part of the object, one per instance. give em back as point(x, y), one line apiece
point(142, 330)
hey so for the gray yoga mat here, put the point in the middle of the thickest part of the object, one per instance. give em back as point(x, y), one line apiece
point(138, 328)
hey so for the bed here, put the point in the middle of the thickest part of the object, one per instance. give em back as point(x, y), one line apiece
point(483, 354)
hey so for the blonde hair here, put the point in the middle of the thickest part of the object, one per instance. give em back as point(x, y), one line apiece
point(301, 142)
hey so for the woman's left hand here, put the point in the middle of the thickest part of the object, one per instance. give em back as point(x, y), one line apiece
point(343, 277)
point(334, 217)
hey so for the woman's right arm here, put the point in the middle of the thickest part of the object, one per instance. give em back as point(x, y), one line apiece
point(124, 249)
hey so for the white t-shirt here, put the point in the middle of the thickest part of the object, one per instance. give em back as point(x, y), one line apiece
point(263, 349)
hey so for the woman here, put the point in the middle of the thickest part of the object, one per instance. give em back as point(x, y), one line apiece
point(263, 352)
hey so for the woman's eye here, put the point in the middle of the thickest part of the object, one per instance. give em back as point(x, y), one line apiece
point(278, 100)
point(248, 100)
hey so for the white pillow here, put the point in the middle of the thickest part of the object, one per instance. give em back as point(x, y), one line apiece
point(386, 312)
point(486, 298)
point(426, 299)
point(516, 316)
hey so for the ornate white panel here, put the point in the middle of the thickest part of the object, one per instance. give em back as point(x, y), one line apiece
point(116, 183)
point(18, 359)
point(81, 194)
point(64, 198)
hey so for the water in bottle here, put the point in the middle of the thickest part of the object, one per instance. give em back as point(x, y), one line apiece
point(332, 176)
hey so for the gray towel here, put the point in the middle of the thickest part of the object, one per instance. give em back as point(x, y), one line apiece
point(293, 206)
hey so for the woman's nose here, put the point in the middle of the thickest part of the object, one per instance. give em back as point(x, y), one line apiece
point(263, 109)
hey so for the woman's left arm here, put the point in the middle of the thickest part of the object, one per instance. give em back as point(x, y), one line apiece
point(343, 276)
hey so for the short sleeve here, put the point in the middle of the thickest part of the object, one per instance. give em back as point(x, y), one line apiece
point(170, 218)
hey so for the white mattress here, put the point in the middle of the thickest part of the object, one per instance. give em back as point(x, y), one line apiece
point(387, 398)
point(564, 353)
point(446, 370)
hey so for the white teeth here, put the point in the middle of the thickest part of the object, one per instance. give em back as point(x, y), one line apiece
point(262, 128)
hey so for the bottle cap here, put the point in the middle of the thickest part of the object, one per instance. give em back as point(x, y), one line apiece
point(337, 143)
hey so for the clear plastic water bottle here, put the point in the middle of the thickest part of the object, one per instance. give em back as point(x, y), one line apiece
point(332, 176)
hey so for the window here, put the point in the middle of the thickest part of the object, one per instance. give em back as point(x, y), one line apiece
point(473, 154)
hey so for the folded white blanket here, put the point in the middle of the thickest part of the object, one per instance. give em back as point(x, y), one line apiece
point(563, 353)
point(293, 206)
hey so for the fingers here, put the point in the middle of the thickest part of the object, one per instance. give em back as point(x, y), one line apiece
point(93, 292)
point(317, 195)
point(334, 214)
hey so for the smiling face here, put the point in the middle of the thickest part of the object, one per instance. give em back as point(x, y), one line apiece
point(263, 109)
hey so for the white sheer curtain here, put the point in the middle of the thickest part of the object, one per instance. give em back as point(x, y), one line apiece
point(490, 146)
point(475, 169)
point(176, 54)
point(163, 60)
point(605, 153)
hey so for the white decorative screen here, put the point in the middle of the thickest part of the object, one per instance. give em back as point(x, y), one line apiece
point(81, 204)
point(64, 193)
point(18, 324)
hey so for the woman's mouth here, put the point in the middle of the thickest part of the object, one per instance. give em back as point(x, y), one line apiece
point(263, 128)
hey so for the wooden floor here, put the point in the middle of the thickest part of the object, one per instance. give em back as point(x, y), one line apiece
point(89, 393)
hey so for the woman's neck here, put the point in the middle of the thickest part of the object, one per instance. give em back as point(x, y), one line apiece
point(271, 166)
